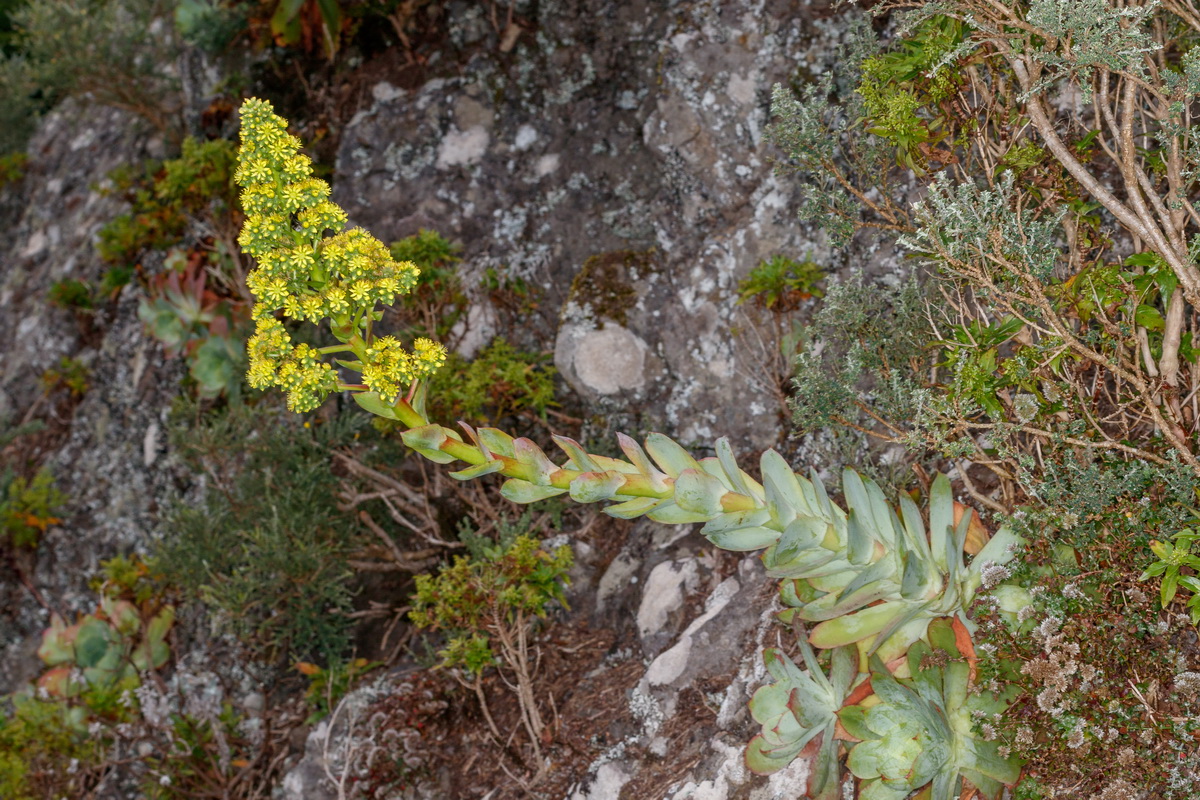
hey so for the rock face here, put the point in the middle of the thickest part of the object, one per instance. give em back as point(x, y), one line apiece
point(615, 157)
point(105, 449)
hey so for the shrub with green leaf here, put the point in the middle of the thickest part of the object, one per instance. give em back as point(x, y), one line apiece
point(28, 507)
point(62, 48)
point(500, 382)
point(485, 604)
point(40, 741)
point(71, 294)
point(266, 547)
point(781, 283)
point(164, 196)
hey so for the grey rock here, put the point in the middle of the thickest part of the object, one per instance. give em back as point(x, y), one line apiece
point(641, 133)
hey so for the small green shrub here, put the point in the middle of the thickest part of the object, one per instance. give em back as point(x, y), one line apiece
point(114, 280)
point(485, 604)
point(70, 374)
point(444, 300)
point(428, 249)
point(71, 294)
point(12, 168)
point(266, 548)
point(28, 507)
point(164, 196)
point(480, 600)
point(40, 740)
point(781, 284)
point(60, 48)
point(500, 382)
point(1175, 567)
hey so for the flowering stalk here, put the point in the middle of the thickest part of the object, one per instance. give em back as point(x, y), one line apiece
point(872, 578)
point(308, 275)
point(862, 574)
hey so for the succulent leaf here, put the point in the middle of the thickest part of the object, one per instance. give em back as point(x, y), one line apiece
point(58, 642)
point(670, 457)
point(738, 480)
point(637, 457)
point(478, 470)
point(580, 459)
point(671, 514)
point(97, 644)
point(699, 492)
point(638, 506)
point(798, 710)
point(592, 487)
point(374, 404)
point(526, 452)
point(858, 626)
point(496, 441)
point(427, 441)
point(523, 492)
point(941, 519)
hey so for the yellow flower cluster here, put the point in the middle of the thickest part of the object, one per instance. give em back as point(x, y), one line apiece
point(390, 367)
point(308, 275)
point(297, 370)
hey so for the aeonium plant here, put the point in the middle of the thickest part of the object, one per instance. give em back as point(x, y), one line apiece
point(308, 275)
point(875, 580)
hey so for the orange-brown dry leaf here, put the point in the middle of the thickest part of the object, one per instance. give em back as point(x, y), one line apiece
point(977, 532)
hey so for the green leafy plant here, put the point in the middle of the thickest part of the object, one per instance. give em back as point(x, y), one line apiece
point(114, 280)
point(444, 299)
point(70, 374)
point(211, 25)
point(311, 24)
point(191, 320)
point(485, 604)
point(799, 708)
point(429, 250)
point(1173, 558)
point(164, 196)
point(267, 548)
point(781, 283)
point(923, 729)
point(61, 48)
point(39, 740)
point(71, 294)
point(28, 507)
point(499, 382)
point(12, 168)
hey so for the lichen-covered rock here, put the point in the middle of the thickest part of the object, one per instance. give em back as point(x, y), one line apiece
point(615, 157)
point(104, 451)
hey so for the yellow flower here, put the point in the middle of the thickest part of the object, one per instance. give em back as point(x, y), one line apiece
point(429, 355)
point(360, 291)
point(335, 300)
point(313, 307)
point(276, 291)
